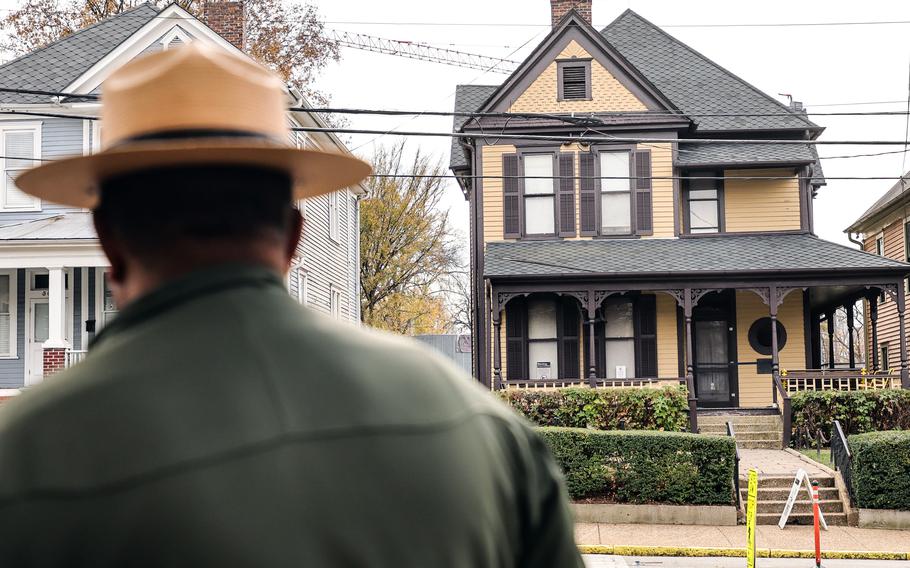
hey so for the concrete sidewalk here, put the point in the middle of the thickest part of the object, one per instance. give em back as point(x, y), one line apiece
point(790, 538)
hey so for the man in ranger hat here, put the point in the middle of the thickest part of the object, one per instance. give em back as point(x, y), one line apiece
point(217, 423)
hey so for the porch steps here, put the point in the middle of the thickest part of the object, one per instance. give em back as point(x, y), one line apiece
point(753, 431)
point(772, 496)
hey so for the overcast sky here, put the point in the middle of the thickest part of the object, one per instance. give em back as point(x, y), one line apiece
point(817, 65)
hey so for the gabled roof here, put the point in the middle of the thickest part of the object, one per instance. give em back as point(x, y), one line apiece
point(694, 83)
point(67, 226)
point(893, 196)
point(700, 154)
point(58, 64)
point(723, 255)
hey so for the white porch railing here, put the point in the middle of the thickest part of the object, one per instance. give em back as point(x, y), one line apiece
point(72, 357)
point(837, 379)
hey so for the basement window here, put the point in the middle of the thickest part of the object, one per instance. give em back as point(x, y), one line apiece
point(574, 79)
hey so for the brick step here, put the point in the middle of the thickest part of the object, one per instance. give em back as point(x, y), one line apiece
point(800, 507)
point(833, 519)
point(760, 444)
point(784, 481)
point(771, 495)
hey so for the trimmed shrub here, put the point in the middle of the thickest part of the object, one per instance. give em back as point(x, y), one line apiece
point(881, 469)
point(630, 466)
point(604, 409)
point(858, 411)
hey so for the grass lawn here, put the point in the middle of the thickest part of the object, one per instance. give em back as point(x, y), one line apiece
point(824, 459)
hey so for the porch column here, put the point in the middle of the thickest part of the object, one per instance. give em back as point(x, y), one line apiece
point(497, 353)
point(775, 351)
point(873, 320)
point(690, 369)
point(829, 315)
point(901, 305)
point(850, 346)
point(56, 345)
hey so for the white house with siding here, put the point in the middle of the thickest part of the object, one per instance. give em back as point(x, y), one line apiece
point(53, 288)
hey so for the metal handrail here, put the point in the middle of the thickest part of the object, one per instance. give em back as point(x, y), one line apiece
point(842, 457)
point(784, 409)
point(693, 404)
point(736, 489)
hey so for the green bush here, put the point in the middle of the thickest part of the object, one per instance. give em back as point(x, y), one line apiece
point(881, 469)
point(858, 411)
point(630, 466)
point(604, 409)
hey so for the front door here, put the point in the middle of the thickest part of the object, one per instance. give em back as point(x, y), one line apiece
point(39, 327)
point(714, 345)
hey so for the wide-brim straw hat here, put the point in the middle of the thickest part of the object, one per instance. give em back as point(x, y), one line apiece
point(192, 105)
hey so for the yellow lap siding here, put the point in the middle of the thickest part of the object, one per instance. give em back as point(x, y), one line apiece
point(662, 189)
point(761, 204)
point(667, 341)
point(755, 389)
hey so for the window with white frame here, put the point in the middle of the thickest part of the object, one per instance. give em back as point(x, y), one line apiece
point(615, 193)
point(7, 302)
point(619, 334)
point(880, 246)
point(303, 285)
point(108, 307)
point(21, 149)
point(334, 212)
point(539, 194)
point(335, 302)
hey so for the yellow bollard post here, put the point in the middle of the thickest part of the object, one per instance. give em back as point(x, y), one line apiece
point(751, 499)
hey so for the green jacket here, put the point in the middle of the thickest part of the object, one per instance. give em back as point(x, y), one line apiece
point(217, 423)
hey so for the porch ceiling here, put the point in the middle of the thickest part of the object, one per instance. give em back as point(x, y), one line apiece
point(765, 255)
point(66, 226)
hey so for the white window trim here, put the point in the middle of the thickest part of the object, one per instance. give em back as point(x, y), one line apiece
point(303, 286)
point(175, 33)
point(334, 218)
point(99, 299)
point(13, 313)
point(15, 125)
point(335, 306)
point(96, 136)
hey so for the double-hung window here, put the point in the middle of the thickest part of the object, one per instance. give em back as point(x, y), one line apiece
point(21, 149)
point(7, 302)
point(539, 194)
point(615, 193)
point(703, 204)
point(619, 334)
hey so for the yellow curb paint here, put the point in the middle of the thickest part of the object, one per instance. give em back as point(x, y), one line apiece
point(693, 551)
point(595, 549)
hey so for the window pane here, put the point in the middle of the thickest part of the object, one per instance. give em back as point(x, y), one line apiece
point(19, 145)
point(109, 305)
point(620, 358)
point(16, 198)
point(542, 361)
point(539, 216)
point(616, 213)
point(538, 165)
point(42, 322)
point(614, 164)
point(702, 194)
point(5, 343)
point(703, 214)
point(4, 296)
point(619, 318)
point(541, 319)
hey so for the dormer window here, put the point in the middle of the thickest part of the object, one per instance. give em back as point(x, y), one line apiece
point(574, 82)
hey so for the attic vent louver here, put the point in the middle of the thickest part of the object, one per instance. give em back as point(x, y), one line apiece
point(574, 83)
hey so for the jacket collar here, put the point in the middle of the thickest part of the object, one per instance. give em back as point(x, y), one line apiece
point(186, 288)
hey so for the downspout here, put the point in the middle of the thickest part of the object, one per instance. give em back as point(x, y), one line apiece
point(854, 241)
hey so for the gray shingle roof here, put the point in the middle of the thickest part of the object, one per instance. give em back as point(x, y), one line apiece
point(667, 257)
point(896, 193)
point(693, 82)
point(468, 98)
point(65, 226)
point(700, 154)
point(58, 64)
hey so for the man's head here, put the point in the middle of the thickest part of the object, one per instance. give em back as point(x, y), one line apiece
point(157, 224)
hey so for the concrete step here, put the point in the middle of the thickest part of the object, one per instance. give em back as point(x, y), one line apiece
point(833, 519)
point(738, 420)
point(766, 495)
point(763, 435)
point(800, 507)
point(784, 481)
point(740, 429)
point(760, 444)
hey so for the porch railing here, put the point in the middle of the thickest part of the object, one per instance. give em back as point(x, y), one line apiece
point(739, 498)
point(838, 379)
point(782, 398)
point(73, 356)
point(842, 457)
point(597, 383)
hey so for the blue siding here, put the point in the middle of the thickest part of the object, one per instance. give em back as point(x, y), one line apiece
point(12, 371)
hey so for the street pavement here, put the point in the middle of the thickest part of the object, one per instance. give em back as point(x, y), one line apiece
point(608, 561)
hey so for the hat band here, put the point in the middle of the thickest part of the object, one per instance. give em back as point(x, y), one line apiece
point(192, 133)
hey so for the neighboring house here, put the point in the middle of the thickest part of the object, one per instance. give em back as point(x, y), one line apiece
point(455, 346)
point(642, 262)
point(53, 288)
point(884, 230)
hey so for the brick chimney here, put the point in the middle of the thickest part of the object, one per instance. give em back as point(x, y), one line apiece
point(560, 8)
point(226, 18)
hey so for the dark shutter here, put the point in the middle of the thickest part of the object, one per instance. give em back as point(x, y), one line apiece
point(644, 225)
point(569, 323)
point(516, 339)
point(587, 207)
point(566, 195)
point(646, 337)
point(511, 197)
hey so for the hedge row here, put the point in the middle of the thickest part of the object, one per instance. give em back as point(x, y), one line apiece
point(858, 411)
point(644, 467)
point(881, 469)
point(604, 409)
